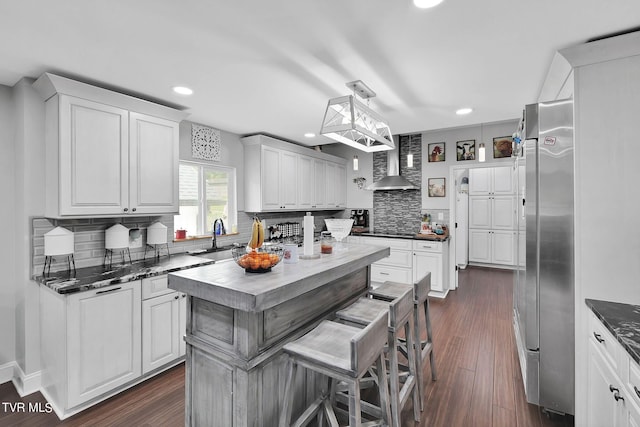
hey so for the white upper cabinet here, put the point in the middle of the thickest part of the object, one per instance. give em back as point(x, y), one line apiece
point(281, 176)
point(490, 181)
point(107, 154)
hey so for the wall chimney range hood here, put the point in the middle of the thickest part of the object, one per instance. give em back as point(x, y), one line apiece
point(393, 180)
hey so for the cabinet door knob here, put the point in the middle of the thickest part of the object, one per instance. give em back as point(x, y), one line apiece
point(176, 297)
point(126, 209)
point(617, 396)
point(612, 389)
point(134, 209)
point(637, 391)
point(598, 337)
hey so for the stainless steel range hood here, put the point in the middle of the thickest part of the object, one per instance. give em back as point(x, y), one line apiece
point(393, 180)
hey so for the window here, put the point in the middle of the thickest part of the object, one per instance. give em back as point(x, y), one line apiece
point(206, 194)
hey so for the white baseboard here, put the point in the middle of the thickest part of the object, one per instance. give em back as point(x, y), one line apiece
point(25, 384)
point(6, 372)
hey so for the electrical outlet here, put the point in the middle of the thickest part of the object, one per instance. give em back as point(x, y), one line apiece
point(440, 216)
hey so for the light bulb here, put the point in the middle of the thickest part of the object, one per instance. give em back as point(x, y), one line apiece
point(425, 4)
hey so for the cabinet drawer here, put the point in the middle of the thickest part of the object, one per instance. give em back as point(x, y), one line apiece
point(634, 380)
point(155, 286)
point(382, 241)
point(427, 246)
point(397, 258)
point(394, 274)
point(604, 341)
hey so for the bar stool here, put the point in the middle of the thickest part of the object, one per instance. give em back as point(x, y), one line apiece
point(343, 353)
point(362, 313)
point(391, 290)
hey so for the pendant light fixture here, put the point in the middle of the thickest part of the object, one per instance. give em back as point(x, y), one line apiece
point(355, 163)
point(481, 152)
point(351, 122)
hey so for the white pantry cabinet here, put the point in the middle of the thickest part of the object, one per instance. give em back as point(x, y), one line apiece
point(91, 343)
point(491, 181)
point(107, 153)
point(280, 176)
point(492, 212)
point(492, 246)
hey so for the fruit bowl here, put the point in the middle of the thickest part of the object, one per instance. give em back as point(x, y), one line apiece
point(258, 260)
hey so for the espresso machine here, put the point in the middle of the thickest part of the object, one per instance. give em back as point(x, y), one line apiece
point(360, 219)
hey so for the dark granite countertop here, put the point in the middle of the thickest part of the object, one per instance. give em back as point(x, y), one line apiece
point(84, 279)
point(415, 236)
point(622, 320)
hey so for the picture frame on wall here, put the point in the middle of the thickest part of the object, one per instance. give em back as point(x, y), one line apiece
point(466, 150)
point(502, 147)
point(437, 187)
point(436, 152)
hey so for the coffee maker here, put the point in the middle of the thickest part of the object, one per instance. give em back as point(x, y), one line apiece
point(360, 219)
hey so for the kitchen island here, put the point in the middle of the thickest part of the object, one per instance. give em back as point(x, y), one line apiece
point(237, 324)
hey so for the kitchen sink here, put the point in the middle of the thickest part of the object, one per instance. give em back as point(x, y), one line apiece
point(218, 254)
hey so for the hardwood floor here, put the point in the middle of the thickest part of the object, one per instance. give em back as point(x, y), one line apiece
point(479, 382)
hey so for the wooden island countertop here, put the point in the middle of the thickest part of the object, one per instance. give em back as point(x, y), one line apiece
point(226, 283)
point(238, 322)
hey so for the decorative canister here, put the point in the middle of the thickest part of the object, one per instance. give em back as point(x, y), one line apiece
point(58, 241)
point(116, 237)
point(157, 234)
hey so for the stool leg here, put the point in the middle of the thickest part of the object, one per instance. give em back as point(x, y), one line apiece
point(414, 366)
point(287, 403)
point(383, 388)
point(417, 351)
point(354, 403)
point(432, 359)
point(393, 379)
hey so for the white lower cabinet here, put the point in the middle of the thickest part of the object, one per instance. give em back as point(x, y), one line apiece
point(163, 323)
point(613, 383)
point(91, 343)
point(432, 257)
point(492, 247)
point(397, 266)
point(99, 342)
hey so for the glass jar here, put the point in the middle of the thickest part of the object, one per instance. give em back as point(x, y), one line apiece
point(326, 242)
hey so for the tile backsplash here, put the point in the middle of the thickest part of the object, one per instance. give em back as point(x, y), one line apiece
point(89, 236)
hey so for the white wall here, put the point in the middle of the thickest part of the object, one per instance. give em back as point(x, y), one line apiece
point(7, 217)
point(481, 133)
point(232, 155)
point(607, 195)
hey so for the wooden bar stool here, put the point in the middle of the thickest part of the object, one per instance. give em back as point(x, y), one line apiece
point(343, 353)
point(363, 312)
point(388, 291)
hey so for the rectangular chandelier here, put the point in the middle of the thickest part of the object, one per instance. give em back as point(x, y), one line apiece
point(351, 122)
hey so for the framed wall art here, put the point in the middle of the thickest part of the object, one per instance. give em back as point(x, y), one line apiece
point(466, 150)
point(437, 187)
point(205, 143)
point(502, 147)
point(436, 152)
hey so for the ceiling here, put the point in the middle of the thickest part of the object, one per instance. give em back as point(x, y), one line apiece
point(270, 66)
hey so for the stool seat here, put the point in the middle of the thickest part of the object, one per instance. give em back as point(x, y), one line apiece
point(363, 311)
point(328, 345)
point(389, 290)
point(343, 353)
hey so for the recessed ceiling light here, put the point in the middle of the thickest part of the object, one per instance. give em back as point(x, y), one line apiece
point(182, 90)
point(425, 4)
point(309, 135)
point(463, 111)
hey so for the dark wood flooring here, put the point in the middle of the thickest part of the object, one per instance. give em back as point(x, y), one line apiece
point(479, 382)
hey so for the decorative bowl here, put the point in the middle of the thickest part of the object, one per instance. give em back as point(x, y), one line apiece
point(339, 228)
point(258, 260)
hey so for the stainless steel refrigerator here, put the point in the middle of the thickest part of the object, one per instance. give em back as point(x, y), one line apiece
point(544, 280)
